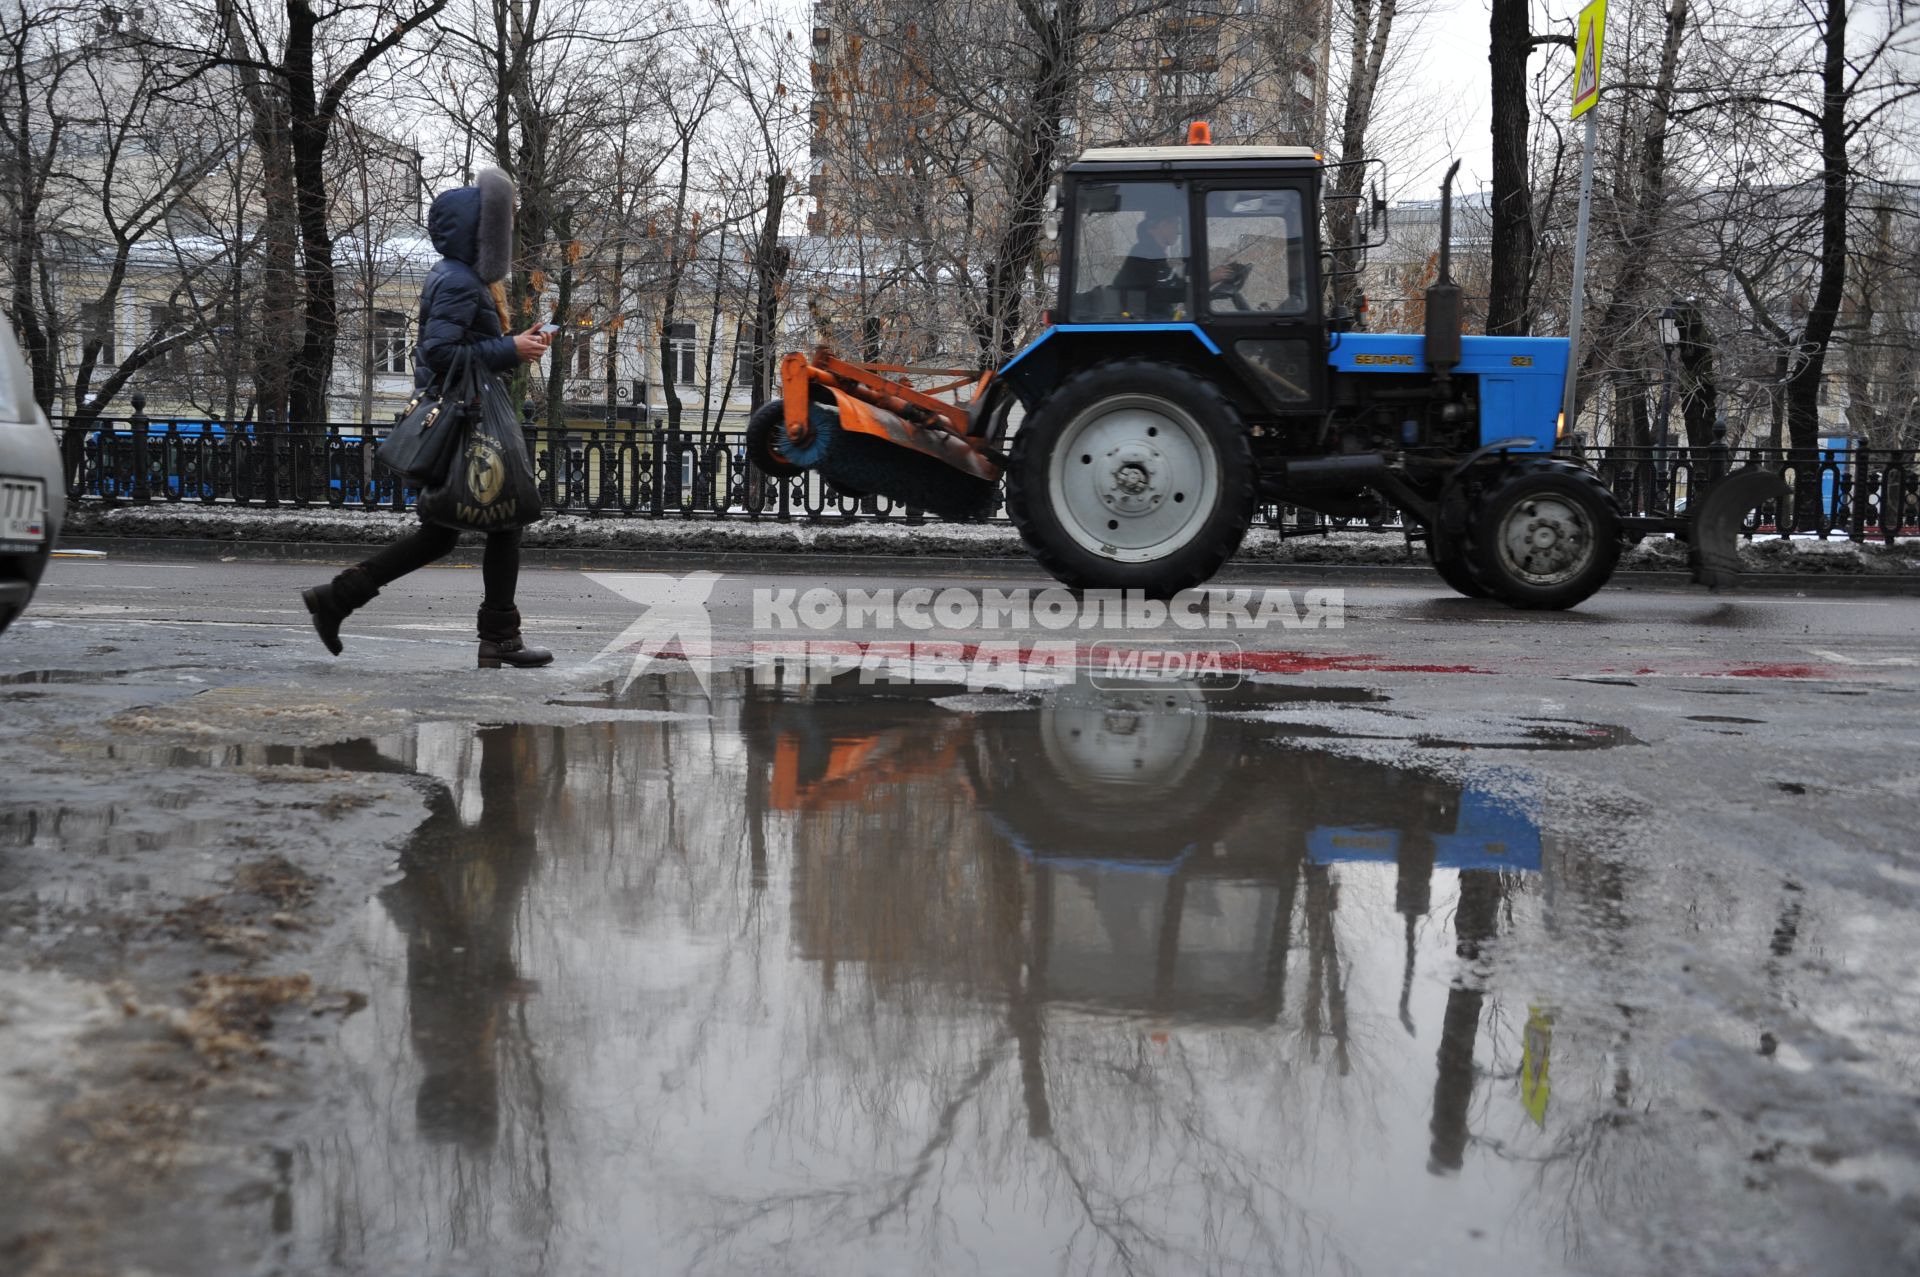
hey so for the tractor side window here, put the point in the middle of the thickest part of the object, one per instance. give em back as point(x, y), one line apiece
point(1130, 253)
point(1254, 253)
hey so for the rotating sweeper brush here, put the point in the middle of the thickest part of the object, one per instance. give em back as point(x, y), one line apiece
point(874, 434)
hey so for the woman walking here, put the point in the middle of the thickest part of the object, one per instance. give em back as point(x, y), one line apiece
point(462, 307)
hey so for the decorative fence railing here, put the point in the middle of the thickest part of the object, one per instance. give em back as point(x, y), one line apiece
point(656, 472)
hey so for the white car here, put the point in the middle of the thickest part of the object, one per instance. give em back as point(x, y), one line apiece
point(33, 497)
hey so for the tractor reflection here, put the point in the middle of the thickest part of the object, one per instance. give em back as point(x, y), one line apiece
point(1154, 853)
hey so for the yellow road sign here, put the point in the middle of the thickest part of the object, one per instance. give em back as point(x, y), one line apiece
point(1586, 57)
point(1536, 1047)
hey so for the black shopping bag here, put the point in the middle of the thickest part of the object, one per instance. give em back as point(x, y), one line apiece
point(421, 446)
point(490, 485)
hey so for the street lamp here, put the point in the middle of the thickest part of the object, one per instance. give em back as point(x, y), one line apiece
point(1669, 338)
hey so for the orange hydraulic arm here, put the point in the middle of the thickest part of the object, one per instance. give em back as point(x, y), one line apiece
point(871, 404)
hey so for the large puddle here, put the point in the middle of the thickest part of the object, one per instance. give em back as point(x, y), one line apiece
point(841, 981)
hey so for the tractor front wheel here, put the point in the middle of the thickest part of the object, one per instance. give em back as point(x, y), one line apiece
point(1132, 475)
point(1542, 533)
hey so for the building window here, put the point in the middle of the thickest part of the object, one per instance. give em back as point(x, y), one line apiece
point(164, 320)
point(96, 324)
point(743, 364)
point(583, 352)
point(391, 353)
point(681, 354)
point(1192, 84)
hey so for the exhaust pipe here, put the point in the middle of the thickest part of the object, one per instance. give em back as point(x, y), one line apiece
point(1445, 306)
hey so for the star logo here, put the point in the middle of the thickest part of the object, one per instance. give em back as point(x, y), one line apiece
point(676, 612)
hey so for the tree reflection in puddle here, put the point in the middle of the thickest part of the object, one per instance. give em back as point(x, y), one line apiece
point(841, 979)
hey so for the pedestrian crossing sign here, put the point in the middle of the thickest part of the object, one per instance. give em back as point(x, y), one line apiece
point(1586, 57)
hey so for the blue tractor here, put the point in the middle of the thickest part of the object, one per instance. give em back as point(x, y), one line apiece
point(1193, 372)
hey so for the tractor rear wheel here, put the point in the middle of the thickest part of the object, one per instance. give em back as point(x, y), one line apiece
point(1132, 475)
point(1447, 542)
point(1542, 533)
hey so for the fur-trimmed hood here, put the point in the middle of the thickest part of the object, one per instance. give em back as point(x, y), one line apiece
point(474, 224)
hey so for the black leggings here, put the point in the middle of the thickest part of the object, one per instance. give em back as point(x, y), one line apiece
point(498, 570)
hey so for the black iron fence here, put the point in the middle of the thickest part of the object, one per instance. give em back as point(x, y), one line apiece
point(654, 471)
point(1856, 493)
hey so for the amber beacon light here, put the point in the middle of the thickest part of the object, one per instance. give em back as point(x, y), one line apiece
point(1199, 133)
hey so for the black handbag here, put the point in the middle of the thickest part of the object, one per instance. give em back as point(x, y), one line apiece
point(421, 446)
point(490, 486)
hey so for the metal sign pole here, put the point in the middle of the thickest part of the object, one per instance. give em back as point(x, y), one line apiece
point(1579, 277)
point(1587, 48)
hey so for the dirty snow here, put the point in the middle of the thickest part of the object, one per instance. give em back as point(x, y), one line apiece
point(982, 540)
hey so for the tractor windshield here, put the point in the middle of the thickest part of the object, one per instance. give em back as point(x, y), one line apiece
point(1130, 253)
point(1254, 253)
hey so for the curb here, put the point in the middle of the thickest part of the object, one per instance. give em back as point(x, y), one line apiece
point(788, 563)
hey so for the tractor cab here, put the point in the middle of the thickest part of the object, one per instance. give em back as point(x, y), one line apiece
point(1218, 246)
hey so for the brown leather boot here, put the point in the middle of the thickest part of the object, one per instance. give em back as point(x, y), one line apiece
point(500, 641)
point(333, 602)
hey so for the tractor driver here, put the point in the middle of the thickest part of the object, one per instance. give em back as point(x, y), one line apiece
point(1152, 283)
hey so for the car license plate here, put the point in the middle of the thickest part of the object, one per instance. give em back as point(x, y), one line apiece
point(23, 511)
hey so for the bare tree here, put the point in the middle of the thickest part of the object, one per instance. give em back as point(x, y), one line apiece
point(1368, 26)
point(295, 65)
point(105, 150)
point(1512, 41)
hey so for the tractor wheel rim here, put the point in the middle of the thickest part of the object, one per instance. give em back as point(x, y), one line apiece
point(1546, 541)
point(1124, 745)
point(1134, 478)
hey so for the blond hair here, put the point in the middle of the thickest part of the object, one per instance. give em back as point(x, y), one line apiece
point(499, 290)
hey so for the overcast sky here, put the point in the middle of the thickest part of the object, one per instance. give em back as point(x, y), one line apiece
point(1444, 91)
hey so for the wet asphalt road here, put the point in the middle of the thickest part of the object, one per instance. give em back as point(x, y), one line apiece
point(1454, 939)
point(1651, 633)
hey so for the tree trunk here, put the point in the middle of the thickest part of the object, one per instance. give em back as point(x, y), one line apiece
point(565, 340)
point(770, 262)
point(1512, 211)
point(676, 266)
point(1803, 386)
point(1371, 31)
point(1777, 400)
point(1700, 395)
point(35, 342)
point(1056, 31)
point(616, 324)
point(1869, 272)
point(707, 406)
point(276, 334)
point(308, 132)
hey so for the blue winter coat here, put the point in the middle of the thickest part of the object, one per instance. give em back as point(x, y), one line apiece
point(456, 308)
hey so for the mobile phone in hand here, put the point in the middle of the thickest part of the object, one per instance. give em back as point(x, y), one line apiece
point(549, 329)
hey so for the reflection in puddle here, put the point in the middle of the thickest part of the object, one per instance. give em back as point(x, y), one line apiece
point(841, 980)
